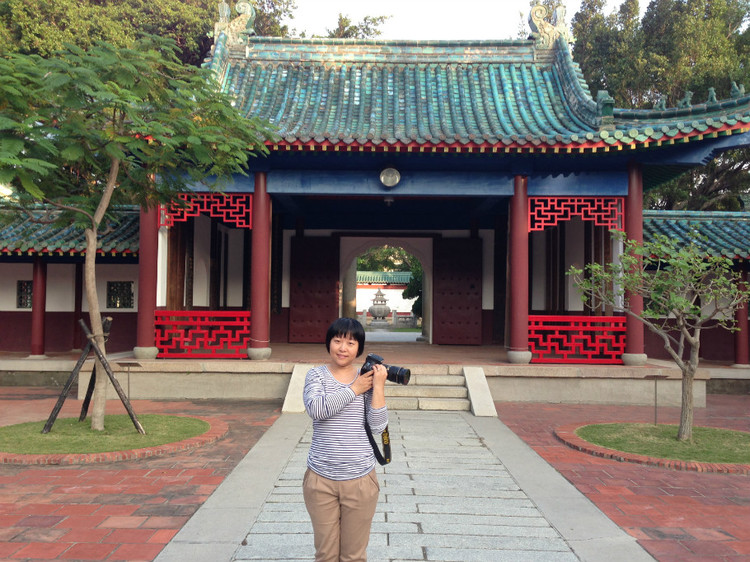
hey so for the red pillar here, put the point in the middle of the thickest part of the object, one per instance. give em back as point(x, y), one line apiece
point(741, 343)
point(38, 306)
point(634, 344)
point(260, 272)
point(519, 273)
point(148, 249)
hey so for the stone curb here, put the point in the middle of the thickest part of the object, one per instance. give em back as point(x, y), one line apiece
point(217, 430)
point(567, 434)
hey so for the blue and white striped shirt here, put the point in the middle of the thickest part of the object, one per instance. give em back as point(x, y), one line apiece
point(340, 449)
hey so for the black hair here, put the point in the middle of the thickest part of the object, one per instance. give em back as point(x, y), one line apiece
point(346, 327)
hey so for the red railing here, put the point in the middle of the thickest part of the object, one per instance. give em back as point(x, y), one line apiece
point(193, 334)
point(577, 339)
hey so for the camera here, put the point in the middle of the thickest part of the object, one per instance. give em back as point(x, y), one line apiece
point(395, 374)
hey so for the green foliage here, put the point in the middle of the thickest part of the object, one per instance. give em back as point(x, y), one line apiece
point(36, 27)
point(386, 258)
point(414, 289)
point(271, 14)
point(71, 121)
point(368, 28)
point(69, 436)
point(678, 46)
point(718, 186)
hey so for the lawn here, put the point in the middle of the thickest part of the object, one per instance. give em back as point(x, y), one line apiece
point(70, 436)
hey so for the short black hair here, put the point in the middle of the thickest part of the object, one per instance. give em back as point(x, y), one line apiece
point(346, 327)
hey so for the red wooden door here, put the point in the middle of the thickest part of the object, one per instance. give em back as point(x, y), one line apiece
point(314, 288)
point(457, 291)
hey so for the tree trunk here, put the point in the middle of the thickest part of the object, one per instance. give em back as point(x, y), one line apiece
point(685, 432)
point(99, 400)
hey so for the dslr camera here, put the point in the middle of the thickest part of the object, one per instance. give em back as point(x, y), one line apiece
point(395, 374)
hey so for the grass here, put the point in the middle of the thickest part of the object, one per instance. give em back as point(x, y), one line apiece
point(68, 435)
point(660, 441)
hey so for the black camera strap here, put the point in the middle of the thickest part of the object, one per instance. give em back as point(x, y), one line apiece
point(384, 458)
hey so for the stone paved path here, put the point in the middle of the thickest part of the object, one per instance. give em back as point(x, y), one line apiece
point(444, 496)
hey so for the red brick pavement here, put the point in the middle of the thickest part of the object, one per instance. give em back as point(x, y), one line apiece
point(677, 516)
point(129, 510)
point(112, 511)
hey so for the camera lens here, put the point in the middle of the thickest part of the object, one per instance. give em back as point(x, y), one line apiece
point(399, 375)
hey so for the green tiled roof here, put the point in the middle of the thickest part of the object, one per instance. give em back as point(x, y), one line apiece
point(19, 235)
point(383, 277)
point(726, 234)
point(430, 95)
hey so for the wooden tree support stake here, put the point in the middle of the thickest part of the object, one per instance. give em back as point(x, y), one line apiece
point(108, 369)
point(106, 324)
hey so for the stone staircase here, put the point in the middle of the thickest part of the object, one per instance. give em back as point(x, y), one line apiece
point(432, 387)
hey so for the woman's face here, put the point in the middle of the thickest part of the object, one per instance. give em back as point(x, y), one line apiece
point(343, 350)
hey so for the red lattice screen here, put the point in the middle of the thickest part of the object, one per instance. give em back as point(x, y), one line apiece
point(202, 334)
point(233, 209)
point(577, 339)
point(603, 211)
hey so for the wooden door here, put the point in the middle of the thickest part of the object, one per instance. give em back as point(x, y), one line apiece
point(314, 288)
point(457, 291)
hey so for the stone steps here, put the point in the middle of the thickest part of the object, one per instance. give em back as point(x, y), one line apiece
point(429, 391)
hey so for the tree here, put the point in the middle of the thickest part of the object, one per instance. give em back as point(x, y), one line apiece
point(85, 130)
point(368, 28)
point(41, 27)
point(270, 17)
point(414, 289)
point(386, 258)
point(685, 288)
point(717, 186)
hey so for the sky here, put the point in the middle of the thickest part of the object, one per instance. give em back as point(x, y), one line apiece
point(428, 19)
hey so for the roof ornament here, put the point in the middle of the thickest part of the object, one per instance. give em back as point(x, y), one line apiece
point(238, 29)
point(547, 32)
point(605, 106)
point(737, 91)
point(685, 102)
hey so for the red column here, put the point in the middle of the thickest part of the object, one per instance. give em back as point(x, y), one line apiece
point(38, 305)
point(148, 249)
point(634, 344)
point(741, 343)
point(260, 272)
point(519, 272)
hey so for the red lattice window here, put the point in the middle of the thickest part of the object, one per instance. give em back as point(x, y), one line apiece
point(202, 334)
point(233, 208)
point(603, 211)
point(577, 339)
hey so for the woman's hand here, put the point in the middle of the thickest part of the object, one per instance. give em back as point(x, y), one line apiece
point(379, 376)
point(362, 383)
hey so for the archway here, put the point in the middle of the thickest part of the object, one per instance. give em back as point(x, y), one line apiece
point(420, 248)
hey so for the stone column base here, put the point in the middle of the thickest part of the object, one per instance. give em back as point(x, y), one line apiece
point(258, 353)
point(634, 359)
point(519, 357)
point(145, 352)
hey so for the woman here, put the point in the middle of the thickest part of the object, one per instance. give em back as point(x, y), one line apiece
point(340, 486)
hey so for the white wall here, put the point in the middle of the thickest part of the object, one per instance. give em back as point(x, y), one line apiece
point(61, 285)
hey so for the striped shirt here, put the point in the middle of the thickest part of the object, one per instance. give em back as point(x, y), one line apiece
point(340, 449)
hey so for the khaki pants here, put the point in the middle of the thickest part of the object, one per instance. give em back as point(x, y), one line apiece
point(341, 512)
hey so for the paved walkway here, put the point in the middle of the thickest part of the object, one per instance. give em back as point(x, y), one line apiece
point(460, 488)
point(134, 510)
